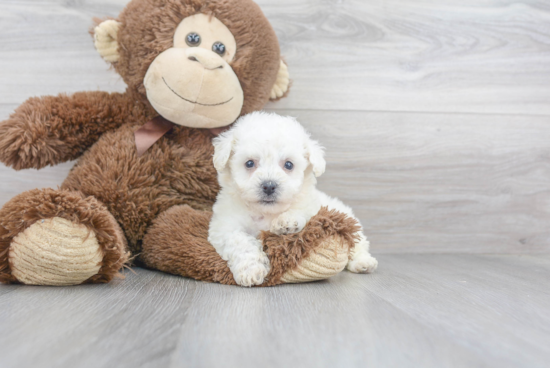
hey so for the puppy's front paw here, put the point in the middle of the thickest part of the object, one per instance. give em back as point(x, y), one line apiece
point(251, 271)
point(362, 263)
point(287, 224)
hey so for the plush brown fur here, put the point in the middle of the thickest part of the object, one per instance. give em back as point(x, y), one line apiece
point(162, 198)
point(176, 170)
point(176, 243)
point(285, 252)
point(27, 208)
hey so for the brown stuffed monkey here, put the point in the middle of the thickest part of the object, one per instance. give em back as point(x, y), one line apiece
point(144, 182)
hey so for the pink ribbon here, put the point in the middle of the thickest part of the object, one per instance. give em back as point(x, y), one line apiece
point(151, 132)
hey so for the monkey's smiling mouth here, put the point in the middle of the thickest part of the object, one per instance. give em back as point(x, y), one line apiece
point(194, 102)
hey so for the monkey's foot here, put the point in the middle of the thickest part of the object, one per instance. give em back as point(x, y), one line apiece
point(55, 237)
point(319, 251)
point(55, 251)
point(327, 260)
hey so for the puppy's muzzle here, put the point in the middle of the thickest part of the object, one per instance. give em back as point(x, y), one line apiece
point(269, 187)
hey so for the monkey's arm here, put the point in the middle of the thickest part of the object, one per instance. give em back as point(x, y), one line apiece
point(49, 130)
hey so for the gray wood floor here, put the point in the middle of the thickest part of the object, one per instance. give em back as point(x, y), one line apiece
point(436, 119)
point(416, 311)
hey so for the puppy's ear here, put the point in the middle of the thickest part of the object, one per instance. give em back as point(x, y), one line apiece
point(223, 145)
point(316, 156)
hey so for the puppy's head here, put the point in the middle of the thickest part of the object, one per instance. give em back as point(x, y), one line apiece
point(268, 160)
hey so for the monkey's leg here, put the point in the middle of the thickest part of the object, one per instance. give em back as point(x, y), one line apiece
point(56, 237)
point(177, 243)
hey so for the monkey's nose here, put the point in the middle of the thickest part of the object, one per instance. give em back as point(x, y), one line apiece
point(269, 187)
point(208, 59)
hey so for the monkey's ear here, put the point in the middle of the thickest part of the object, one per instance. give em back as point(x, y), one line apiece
point(282, 84)
point(316, 156)
point(223, 145)
point(105, 40)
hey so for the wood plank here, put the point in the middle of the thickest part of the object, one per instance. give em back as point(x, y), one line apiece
point(416, 310)
point(316, 325)
point(127, 323)
point(399, 55)
point(481, 296)
point(439, 182)
point(461, 56)
point(45, 48)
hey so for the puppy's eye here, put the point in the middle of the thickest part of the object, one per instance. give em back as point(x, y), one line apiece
point(289, 165)
point(193, 39)
point(218, 48)
point(249, 164)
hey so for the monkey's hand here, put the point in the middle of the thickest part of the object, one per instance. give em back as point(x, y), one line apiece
point(49, 130)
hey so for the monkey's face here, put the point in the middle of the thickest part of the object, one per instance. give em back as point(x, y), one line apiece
point(192, 83)
point(198, 63)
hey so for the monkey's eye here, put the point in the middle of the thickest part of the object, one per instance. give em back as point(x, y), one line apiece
point(249, 164)
point(193, 39)
point(218, 48)
point(289, 165)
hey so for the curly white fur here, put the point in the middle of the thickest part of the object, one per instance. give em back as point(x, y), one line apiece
point(261, 191)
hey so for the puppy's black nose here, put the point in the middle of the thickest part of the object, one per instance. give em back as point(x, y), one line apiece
point(269, 187)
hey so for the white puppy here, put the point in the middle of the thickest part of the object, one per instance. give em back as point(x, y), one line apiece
point(267, 165)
